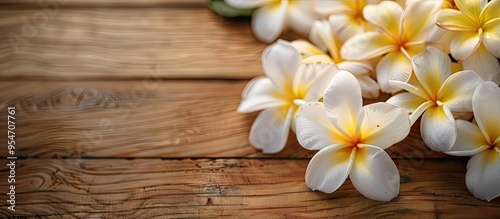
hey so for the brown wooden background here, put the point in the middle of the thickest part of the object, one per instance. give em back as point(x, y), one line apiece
point(127, 109)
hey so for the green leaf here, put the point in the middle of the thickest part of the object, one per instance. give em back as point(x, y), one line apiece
point(220, 7)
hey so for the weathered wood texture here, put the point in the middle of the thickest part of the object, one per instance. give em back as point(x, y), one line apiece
point(229, 187)
point(148, 118)
point(120, 43)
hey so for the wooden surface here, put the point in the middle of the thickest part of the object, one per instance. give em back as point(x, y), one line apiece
point(127, 109)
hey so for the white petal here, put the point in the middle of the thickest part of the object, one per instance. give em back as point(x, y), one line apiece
point(408, 101)
point(457, 91)
point(260, 93)
point(416, 90)
point(469, 141)
point(454, 20)
point(270, 129)
point(419, 19)
point(269, 21)
point(306, 48)
point(491, 37)
point(483, 175)
point(432, 68)
point(484, 64)
point(438, 128)
point(311, 80)
point(247, 4)
point(366, 46)
point(329, 168)
point(394, 66)
point(383, 125)
point(343, 102)
point(374, 174)
point(486, 106)
point(314, 130)
point(369, 87)
point(280, 62)
point(345, 26)
point(464, 44)
point(321, 34)
point(471, 8)
point(356, 67)
point(301, 16)
point(385, 16)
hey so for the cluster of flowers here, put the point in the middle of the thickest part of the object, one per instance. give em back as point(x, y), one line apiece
point(358, 48)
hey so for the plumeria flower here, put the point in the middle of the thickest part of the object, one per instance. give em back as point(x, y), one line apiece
point(482, 142)
point(351, 139)
point(274, 16)
point(288, 84)
point(477, 38)
point(400, 35)
point(345, 16)
point(321, 35)
point(438, 93)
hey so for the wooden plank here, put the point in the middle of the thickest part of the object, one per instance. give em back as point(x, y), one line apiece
point(228, 187)
point(148, 118)
point(99, 3)
point(120, 43)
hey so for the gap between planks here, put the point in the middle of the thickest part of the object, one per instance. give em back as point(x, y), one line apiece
point(133, 119)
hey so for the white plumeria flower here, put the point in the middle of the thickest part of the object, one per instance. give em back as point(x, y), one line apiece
point(351, 139)
point(477, 35)
point(400, 35)
point(274, 16)
point(345, 16)
point(482, 141)
point(434, 90)
point(321, 34)
point(288, 84)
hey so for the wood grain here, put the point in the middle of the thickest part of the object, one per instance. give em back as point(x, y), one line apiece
point(120, 43)
point(228, 187)
point(148, 118)
point(102, 3)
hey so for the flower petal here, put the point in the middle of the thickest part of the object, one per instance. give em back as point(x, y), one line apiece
point(491, 37)
point(483, 175)
point(270, 129)
point(454, 20)
point(438, 128)
point(374, 174)
point(356, 67)
point(280, 62)
point(306, 48)
point(260, 93)
point(464, 44)
point(311, 80)
point(410, 102)
point(314, 130)
point(345, 26)
point(343, 102)
point(367, 45)
point(369, 87)
point(321, 34)
point(457, 91)
point(490, 11)
point(394, 66)
point(318, 58)
point(385, 16)
point(418, 20)
point(329, 168)
point(471, 8)
point(383, 125)
point(484, 64)
point(469, 141)
point(486, 107)
point(269, 21)
point(432, 68)
point(301, 16)
point(247, 4)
